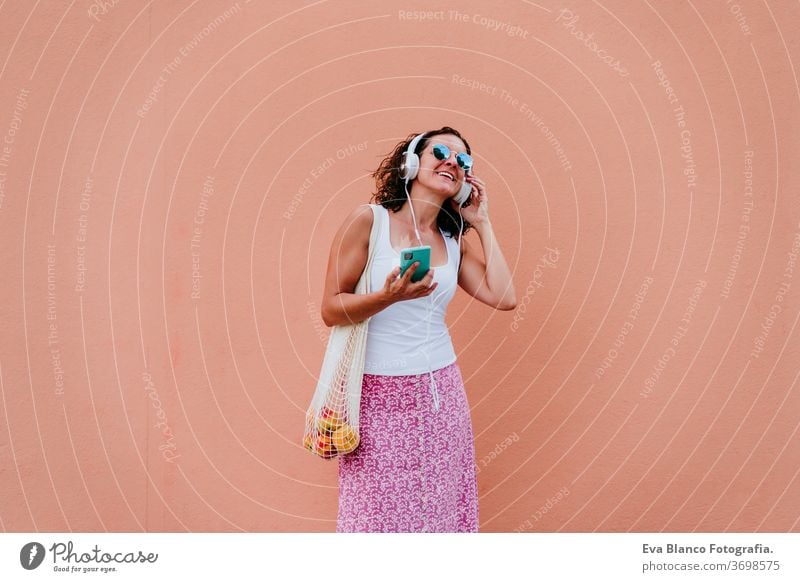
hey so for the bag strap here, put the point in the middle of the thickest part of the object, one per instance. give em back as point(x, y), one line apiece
point(375, 232)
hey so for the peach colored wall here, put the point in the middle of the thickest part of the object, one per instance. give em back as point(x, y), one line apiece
point(171, 176)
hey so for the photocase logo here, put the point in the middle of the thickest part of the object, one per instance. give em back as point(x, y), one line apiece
point(31, 555)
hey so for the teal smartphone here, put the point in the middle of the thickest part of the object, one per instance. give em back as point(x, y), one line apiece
point(411, 255)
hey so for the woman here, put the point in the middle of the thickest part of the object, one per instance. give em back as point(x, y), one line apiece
point(414, 469)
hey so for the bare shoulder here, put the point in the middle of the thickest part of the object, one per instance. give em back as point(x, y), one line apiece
point(357, 225)
point(361, 216)
point(354, 231)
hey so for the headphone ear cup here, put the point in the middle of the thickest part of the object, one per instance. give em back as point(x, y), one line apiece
point(410, 166)
point(464, 192)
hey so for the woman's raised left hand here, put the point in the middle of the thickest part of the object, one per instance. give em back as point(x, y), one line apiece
point(478, 210)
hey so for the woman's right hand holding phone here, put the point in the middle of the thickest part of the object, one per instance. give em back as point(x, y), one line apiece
point(402, 288)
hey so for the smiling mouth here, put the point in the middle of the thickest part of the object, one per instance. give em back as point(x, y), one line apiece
point(447, 175)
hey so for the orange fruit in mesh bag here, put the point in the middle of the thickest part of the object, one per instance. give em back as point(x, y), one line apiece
point(345, 439)
point(323, 446)
point(308, 442)
point(329, 420)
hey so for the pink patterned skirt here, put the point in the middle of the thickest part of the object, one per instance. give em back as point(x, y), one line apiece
point(414, 470)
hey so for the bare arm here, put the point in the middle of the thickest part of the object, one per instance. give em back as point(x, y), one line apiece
point(348, 257)
point(488, 279)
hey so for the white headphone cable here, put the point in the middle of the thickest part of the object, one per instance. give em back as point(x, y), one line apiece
point(434, 391)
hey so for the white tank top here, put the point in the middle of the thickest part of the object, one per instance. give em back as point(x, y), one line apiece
point(410, 337)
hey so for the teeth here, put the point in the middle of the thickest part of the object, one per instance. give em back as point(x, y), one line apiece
point(448, 174)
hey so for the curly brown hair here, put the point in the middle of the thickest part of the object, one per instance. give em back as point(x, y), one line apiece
point(391, 192)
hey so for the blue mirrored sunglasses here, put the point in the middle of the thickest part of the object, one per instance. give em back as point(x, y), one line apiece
point(442, 152)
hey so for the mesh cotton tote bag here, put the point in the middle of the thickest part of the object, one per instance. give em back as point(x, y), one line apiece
point(332, 418)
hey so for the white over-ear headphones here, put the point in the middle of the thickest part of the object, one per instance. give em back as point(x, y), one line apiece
point(409, 168)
